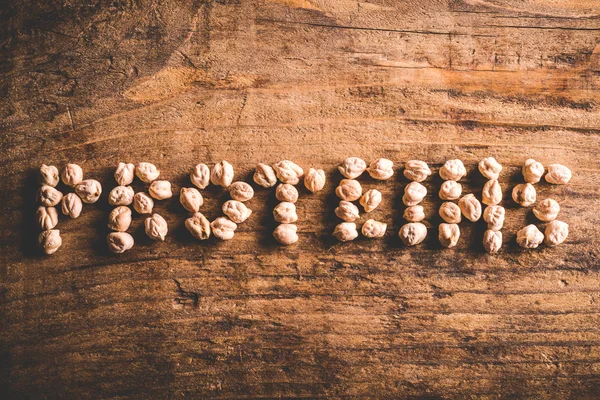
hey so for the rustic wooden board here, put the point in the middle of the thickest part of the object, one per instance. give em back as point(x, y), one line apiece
point(182, 82)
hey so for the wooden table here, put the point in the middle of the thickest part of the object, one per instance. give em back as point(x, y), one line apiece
point(182, 82)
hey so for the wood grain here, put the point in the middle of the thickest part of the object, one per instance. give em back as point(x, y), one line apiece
point(182, 82)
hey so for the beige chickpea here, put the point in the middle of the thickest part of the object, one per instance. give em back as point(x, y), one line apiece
point(223, 228)
point(286, 234)
point(71, 175)
point(349, 190)
point(47, 217)
point(156, 227)
point(450, 212)
point(530, 237)
point(490, 168)
point(352, 167)
point(524, 194)
point(373, 229)
point(124, 174)
point(371, 200)
point(142, 203)
point(121, 196)
point(449, 235)
point(48, 196)
point(265, 176)
point(236, 211)
point(546, 210)
point(191, 199)
point(222, 174)
point(314, 180)
point(470, 207)
point(286, 192)
point(532, 171)
point(414, 193)
point(285, 212)
point(50, 241)
point(492, 193)
point(450, 190)
point(198, 226)
point(146, 172)
point(494, 216)
point(414, 213)
point(288, 172)
point(200, 176)
point(381, 169)
point(160, 190)
point(416, 170)
point(492, 241)
point(89, 190)
point(555, 233)
point(119, 219)
point(412, 233)
point(119, 242)
point(241, 191)
point(72, 205)
point(558, 174)
point(48, 175)
point(347, 211)
point(345, 231)
point(453, 170)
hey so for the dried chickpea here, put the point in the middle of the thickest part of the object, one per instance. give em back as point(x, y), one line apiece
point(48, 175)
point(492, 193)
point(352, 167)
point(121, 196)
point(453, 170)
point(142, 203)
point(470, 207)
point(71, 205)
point(124, 174)
point(223, 228)
point(89, 190)
point(241, 191)
point(532, 171)
point(285, 212)
point(200, 176)
point(265, 176)
point(236, 211)
point(47, 217)
point(314, 180)
point(373, 229)
point(555, 233)
point(450, 190)
point(160, 190)
point(524, 194)
point(492, 241)
point(191, 199)
point(414, 193)
point(119, 219)
point(119, 242)
point(558, 174)
point(450, 212)
point(50, 241)
point(412, 233)
point(286, 192)
point(490, 168)
point(530, 237)
point(222, 174)
point(370, 200)
point(156, 227)
point(198, 226)
point(349, 190)
point(494, 216)
point(546, 210)
point(381, 169)
point(288, 172)
point(416, 170)
point(286, 234)
point(347, 211)
point(449, 235)
point(48, 196)
point(345, 231)
point(147, 172)
point(414, 214)
point(71, 175)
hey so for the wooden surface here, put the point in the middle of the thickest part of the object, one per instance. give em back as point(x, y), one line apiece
point(182, 82)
